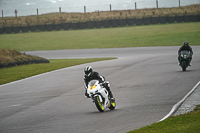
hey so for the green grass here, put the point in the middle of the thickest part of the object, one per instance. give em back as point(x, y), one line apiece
point(135, 36)
point(19, 72)
point(187, 123)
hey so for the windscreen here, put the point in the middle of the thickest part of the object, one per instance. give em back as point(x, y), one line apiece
point(92, 82)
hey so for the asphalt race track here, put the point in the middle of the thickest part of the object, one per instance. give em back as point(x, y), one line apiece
point(146, 83)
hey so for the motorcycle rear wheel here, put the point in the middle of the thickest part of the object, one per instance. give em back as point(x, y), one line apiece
point(99, 105)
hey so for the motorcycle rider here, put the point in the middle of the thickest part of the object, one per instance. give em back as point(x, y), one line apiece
point(185, 47)
point(93, 75)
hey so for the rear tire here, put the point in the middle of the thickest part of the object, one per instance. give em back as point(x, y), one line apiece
point(99, 105)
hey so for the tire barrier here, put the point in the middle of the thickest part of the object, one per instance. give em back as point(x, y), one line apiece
point(66, 26)
point(90, 24)
point(49, 27)
point(163, 20)
point(106, 23)
point(82, 25)
point(179, 19)
point(187, 18)
point(16, 29)
point(171, 19)
point(147, 21)
point(33, 28)
point(155, 20)
point(114, 22)
point(131, 21)
point(8, 30)
point(1, 30)
point(58, 27)
point(98, 24)
point(74, 26)
point(102, 23)
point(41, 27)
point(139, 21)
point(25, 28)
point(34, 61)
point(122, 22)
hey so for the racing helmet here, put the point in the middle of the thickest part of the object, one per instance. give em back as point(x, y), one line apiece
point(186, 43)
point(88, 71)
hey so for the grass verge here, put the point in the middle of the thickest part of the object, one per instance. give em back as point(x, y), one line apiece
point(9, 56)
point(135, 36)
point(19, 72)
point(186, 123)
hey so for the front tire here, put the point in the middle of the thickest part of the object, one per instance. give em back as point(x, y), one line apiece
point(184, 65)
point(112, 105)
point(99, 105)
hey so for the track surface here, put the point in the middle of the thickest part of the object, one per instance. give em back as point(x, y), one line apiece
point(146, 83)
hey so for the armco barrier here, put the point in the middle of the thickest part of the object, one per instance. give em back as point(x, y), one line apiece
point(102, 23)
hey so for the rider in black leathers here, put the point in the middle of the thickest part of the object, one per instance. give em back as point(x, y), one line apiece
point(92, 75)
point(185, 47)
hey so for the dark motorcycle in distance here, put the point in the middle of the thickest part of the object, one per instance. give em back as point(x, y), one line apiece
point(185, 58)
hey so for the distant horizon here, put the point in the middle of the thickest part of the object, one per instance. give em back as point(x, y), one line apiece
point(29, 7)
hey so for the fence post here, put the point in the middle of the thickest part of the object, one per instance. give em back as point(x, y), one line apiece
point(135, 6)
point(110, 7)
point(179, 3)
point(2, 13)
point(60, 10)
point(84, 9)
point(15, 13)
point(37, 12)
point(157, 3)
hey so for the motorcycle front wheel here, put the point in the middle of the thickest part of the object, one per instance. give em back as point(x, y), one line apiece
point(99, 105)
point(184, 65)
point(112, 105)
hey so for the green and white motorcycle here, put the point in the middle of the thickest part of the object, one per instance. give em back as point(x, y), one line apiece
point(185, 59)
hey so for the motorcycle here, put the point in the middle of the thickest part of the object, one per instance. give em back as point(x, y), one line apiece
point(100, 96)
point(184, 59)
